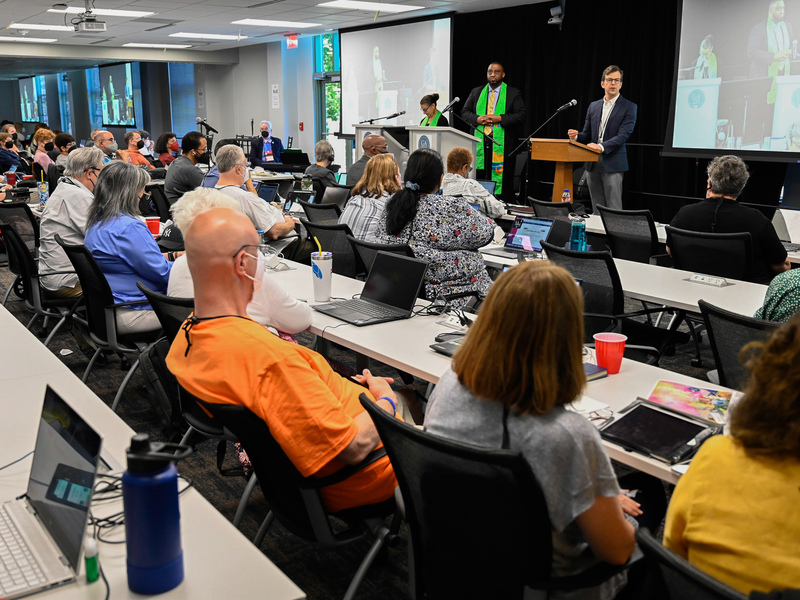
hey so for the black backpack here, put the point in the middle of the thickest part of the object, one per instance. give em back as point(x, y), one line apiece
point(162, 386)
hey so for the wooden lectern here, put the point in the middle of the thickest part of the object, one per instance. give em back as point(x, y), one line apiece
point(563, 153)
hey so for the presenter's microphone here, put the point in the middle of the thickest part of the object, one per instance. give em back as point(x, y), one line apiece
point(569, 104)
point(451, 104)
point(208, 127)
point(397, 114)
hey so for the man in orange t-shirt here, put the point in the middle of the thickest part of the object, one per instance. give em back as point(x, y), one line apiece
point(133, 154)
point(227, 358)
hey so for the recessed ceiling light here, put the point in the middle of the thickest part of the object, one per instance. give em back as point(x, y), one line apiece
point(159, 46)
point(103, 12)
point(208, 36)
point(34, 26)
point(370, 6)
point(4, 38)
point(262, 23)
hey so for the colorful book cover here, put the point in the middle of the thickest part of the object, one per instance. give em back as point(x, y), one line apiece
point(709, 404)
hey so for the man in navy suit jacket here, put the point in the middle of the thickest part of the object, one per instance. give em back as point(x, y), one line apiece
point(274, 145)
point(609, 123)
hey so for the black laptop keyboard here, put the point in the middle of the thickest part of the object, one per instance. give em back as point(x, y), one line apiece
point(373, 310)
point(790, 247)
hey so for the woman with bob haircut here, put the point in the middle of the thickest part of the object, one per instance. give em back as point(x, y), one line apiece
point(443, 230)
point(735, 514)
point(123, 246)
point(510, 380)
point(368, 198)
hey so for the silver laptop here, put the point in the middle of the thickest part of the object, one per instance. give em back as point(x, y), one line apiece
point(41, 533)
point(389, 294)
point(525, 236)
point(782, 231)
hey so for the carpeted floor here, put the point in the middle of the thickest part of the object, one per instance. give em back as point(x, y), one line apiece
point(321, 573)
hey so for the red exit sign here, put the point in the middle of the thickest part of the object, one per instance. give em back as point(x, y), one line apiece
point(291, 41)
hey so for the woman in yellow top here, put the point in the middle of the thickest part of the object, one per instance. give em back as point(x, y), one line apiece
point(432, 118)
point(736, 512)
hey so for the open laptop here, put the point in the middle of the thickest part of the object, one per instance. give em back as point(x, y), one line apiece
point(488, 184)
point(524, 237)
point(267, 191)
point(782, 231)
point(389, 294)
point(50, 519)
point(305, 196)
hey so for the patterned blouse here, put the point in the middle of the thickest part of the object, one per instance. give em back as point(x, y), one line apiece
point(446, 232)
point(782, 299)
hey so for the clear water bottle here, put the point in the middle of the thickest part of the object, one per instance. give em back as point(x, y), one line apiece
point(577, 236)
point(307, 183)
point(152, 515)
point(565, 197)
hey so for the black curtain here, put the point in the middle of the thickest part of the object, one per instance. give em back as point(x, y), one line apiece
point(552, 66)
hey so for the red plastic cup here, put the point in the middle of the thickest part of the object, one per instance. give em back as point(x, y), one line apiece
point(11, 178)
point(610, 347)
point(154, 225)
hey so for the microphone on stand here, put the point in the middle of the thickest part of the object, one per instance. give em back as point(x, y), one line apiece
point(451, 104)
point(208, 127)
point(569, 104)
point(395, 115)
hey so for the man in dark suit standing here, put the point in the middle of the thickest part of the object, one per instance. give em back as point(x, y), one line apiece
point(266, 149)
point(609, 124)
point(498, 111)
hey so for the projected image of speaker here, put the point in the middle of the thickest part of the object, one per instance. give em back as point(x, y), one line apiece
point(116, 96)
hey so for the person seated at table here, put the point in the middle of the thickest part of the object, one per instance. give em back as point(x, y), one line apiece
point(123, 246)
point(11, 130)
point(271, 304)
point(183, 174)
point(372, 145)
point(265, 149)
point(225, 357)
point(432, 118)
point(45, 142)
point(319, 171)
point(735, 513)
point(369, 196)
point(133, 154)
point(721, 213)
point(518, 367)
point(782, 299)
point(166, 144)
point(66, 214)
point(64, 142)
point(9, 156)
point(456, 183)
point(443, 230)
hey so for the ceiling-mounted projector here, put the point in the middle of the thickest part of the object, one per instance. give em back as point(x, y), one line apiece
point(89, 23)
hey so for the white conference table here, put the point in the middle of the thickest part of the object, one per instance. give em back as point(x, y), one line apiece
point(219, 561)
point(405, 345)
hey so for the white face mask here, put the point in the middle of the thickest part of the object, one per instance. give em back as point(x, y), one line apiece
point(261, 266)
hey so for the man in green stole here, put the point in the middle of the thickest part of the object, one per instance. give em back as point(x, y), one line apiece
point(498, 111)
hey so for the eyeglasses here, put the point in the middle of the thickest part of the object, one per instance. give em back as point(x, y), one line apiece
point(263, 248)
point(607, 80)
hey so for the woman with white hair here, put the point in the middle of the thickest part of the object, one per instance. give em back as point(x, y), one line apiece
point(320, 172)
point(271, 305)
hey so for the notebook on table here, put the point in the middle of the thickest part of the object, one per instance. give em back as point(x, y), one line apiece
point(42, 532)
point(389, 294)
point(525, 236)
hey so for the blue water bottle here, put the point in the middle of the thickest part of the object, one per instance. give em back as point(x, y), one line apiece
point(577, 236)
point(152, 515)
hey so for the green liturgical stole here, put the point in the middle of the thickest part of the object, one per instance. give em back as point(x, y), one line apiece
point(434, 122)
point(498, 133)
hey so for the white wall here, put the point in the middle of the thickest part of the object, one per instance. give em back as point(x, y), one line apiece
point(298, 94)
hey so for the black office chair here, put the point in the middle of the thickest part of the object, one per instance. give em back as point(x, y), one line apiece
point(673, 578)
point(20, 217)
point(159, 200)
point(295, 500)
point(728, 333)
point(54, 173)
point(327, 214)
point(549, 210)
point(35, 297)
point(101, 312)
point(366, 252)
point(336, 195)
point(728, 255)
point(478, 520)
point(604, 304)
point(333, 238)
point(631, 233)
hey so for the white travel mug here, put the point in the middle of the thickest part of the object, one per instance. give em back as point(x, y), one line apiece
point(322, 274)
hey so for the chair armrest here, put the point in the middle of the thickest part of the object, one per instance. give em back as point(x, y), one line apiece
point(131, 303)
point(591, 577)
point(57, 273)
point(344, 473)
point(661, 260)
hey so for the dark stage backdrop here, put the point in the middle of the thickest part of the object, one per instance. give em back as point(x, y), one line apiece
point(553, 66)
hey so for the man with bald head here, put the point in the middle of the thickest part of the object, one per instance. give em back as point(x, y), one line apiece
point(227, 358)
point(372, 146)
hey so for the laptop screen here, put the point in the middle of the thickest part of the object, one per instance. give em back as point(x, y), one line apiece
point(489, 185)
point(296, 195)
point(527, 234)
point(267, 191)
point(394, 280)
point(62, 476)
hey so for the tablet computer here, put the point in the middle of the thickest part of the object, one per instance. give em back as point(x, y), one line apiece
point(658, 432)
